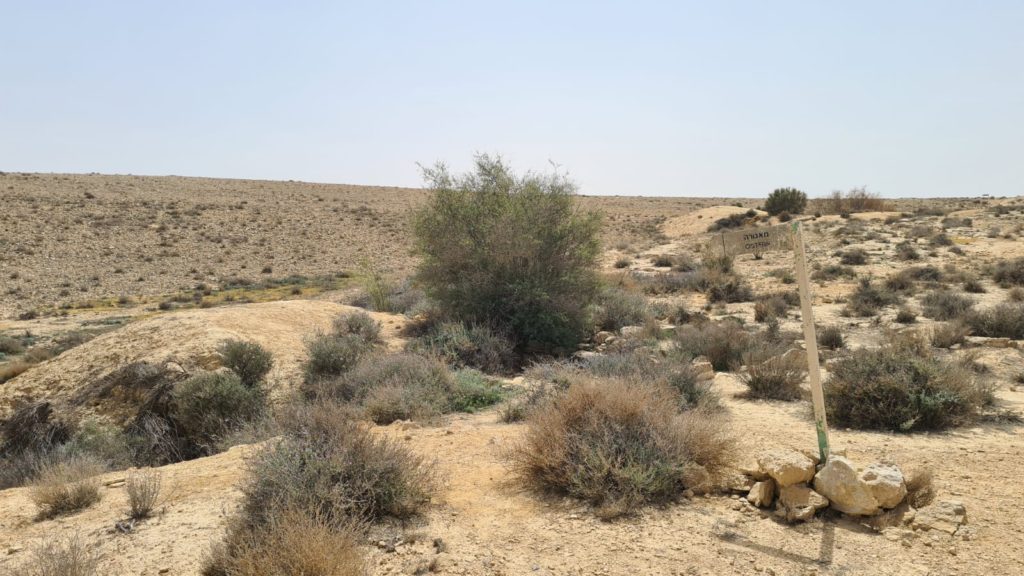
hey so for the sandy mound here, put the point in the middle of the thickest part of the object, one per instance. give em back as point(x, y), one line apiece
point(697, 222)
point(189, 339)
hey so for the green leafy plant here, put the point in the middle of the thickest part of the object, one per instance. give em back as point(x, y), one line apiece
point(785, 200)
point(510, 251)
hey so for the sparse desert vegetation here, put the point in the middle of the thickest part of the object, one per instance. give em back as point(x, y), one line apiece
point(381, 391)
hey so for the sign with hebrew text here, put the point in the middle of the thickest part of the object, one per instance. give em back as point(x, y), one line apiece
point(755, 240)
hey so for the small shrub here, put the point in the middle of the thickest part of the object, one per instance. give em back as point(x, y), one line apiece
point(952, 222)
point(622, 262)
point(868, 299)
point(833, 271)
point(331, 356)
point(1004, 320)
point(250, 361)
point(473, 391)
point(1015, 295)
point(736, 220)
point(723, 344)
point(468, 347)
point(662, 261)
point(948, 334)
point(674, 373)
point(616, 307)
point(33, 428)
point(725, 287)
point(66, 485)
point(772, 306)
point(328, 463)
point(900, 387)
point(783, 274)
point(290, 543)
point(683, 263)
point(377, 287)
point(663, 283)
point(1009, 272)
point(854, 257)
point(393, 387)
point(945, 305)
point(906, 316)
point(830, 337)
point(62, 557)
point(10, 345)
point(208, 405)
point(618, 446)
point(906, 251)
point(358, 324)
point(788, 200)
point(920, 231)
point(143, 489)
point(940, 239)
point(854, 200)
point(771, 375)
point(973, 286)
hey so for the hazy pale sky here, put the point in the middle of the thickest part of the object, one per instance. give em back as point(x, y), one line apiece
point(911, 98)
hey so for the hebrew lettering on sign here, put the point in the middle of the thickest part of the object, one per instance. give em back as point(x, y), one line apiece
point(755, 240)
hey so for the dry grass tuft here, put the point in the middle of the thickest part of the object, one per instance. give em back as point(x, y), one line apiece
point(330, 462)
point(619, 446)
point(143, 488)
point(292, 543)
point(948, 334)
point(920, 487)
point(773, 377)
point(66, 486)
point(62, 557)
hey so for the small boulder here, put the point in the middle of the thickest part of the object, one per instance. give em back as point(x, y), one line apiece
point(762, 493)
point(945, 516)
point(886, 484)
point(787, 467)
point(860, 492)
point(799, 503)
point(739, 483)
point(752, 469)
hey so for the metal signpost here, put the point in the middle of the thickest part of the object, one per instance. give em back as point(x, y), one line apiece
point(787, 237)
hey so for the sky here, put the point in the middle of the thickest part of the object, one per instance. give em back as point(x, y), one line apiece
point(908, 98)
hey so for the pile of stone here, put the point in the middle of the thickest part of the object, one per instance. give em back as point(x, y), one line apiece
point(799, 488)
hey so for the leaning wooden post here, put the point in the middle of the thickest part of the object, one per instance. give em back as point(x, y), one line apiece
point(811, 342)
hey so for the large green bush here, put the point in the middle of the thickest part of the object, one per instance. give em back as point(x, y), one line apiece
point(785, 200)
point(511, 251)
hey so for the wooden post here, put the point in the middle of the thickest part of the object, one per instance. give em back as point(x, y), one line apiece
point(811, 343)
